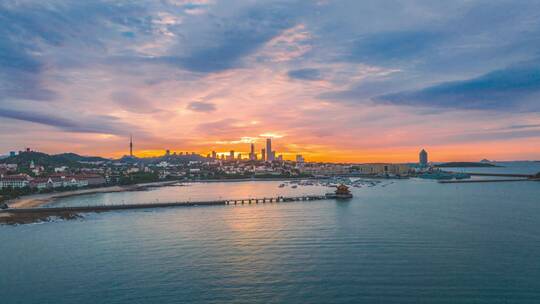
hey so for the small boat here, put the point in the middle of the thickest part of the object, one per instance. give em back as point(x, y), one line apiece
point(294, 186)
point(282, 185)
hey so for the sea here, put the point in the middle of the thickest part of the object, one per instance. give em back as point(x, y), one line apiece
point(396, 241)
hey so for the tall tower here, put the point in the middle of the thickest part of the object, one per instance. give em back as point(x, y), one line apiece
point(269, 156)
point(252, 152)
point(423, 158)
point(130, 145)
point(263, 154)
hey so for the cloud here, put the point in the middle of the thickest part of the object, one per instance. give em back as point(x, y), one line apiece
point(101, 124)
point(133, 103)
point(224, 45)
point(492, 136)
point(201, 106)
point(504, 89)
point(224, 129)
point(385, 64)
point(305, 74)
point(391, 47)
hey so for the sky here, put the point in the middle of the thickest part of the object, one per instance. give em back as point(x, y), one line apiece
point(339, 81)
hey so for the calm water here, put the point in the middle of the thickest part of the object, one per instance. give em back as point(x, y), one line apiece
point(411, 241)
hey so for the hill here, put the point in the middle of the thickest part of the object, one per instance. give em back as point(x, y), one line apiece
point(24, 159)
point(79, 158)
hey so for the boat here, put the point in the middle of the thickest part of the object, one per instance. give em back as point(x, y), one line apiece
point(342, 192)
point(282, 185)
point(294, 186)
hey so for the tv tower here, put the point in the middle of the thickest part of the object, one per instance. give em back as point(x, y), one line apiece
point(130, 145)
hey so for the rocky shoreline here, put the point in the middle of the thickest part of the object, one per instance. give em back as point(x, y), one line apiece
point(8, 218)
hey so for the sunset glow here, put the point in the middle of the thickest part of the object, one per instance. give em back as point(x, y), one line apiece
point(323, 79)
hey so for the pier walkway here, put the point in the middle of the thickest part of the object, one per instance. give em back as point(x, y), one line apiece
point(103, 208)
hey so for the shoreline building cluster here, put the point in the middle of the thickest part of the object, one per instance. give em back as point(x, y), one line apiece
point(266, 155)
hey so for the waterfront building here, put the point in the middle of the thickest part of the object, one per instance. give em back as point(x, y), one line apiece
point(269, 154)
point(14, 181)
point(231, 155)
point(60, 180)
point(214, 154)
point(383, 169)
point(299, 158)
point(263, 154)
point(325, 169)
point(423, 158)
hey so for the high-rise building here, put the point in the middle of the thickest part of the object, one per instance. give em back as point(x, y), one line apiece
point(252, 152)
point(280, 157)
point(214, 154)
point(299, 158)
point(269, 154)
point(263, 154)
point(231, 155)
point(167, 152)
point(130, 145)
point(423, 157)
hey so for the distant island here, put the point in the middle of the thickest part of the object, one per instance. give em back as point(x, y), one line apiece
point(465, 165)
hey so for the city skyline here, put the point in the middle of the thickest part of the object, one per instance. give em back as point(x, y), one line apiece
point(422, 156)
point(328, 79)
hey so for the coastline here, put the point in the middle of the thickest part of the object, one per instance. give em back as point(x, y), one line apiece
point(38, 200)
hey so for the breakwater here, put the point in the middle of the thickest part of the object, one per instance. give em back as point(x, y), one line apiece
point(484, 181)
point(495, 174)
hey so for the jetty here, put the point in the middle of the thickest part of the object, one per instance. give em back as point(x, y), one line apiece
point(103, 208)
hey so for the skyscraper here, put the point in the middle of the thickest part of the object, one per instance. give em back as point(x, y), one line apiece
point(263, 154)
point(423, 158)
point(231, 155)
point(269, 154)
point(130, 145)
point(214, 154)
point(252, 152)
